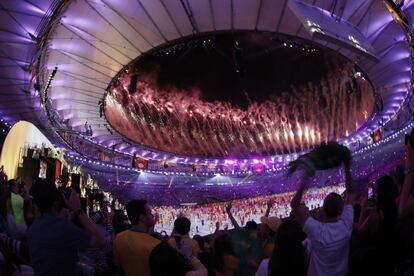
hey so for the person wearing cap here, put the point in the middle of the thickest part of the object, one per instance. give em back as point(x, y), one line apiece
point(268, 230)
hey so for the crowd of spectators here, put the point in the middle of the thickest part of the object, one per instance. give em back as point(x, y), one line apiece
point(337, 230)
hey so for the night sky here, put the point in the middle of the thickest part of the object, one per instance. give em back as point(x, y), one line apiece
point(268, 66)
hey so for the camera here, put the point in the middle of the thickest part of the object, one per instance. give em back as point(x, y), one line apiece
point(409, 138)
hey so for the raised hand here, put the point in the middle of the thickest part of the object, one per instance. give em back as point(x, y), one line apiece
point(270, 203)
point(228, 207)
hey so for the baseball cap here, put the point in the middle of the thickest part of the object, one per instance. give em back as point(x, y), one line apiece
point(272, 222)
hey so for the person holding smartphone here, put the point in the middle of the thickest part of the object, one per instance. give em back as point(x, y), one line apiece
point(54, 241)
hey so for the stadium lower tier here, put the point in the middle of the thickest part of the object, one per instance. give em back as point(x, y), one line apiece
point(204, 217)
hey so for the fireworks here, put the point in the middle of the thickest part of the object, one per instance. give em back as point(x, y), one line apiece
point(183, 123)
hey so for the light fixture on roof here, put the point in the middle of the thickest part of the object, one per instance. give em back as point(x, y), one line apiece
point(49, 82)
point(356, 43)
point(101, 108)
point(313, 27)
point(33, 37)
point(323, 26)
point(238, 59)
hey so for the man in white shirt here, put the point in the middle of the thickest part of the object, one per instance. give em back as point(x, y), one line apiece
point(328, 237)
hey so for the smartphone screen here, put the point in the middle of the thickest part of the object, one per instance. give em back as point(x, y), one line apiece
point(109, 209)
point(370, 192)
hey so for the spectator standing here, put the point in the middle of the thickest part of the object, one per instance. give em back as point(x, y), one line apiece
point(54, 241)
point(327, 239)
point(246, 244)
point(288, 257)
point(181, 238)
point(224, 258)
point(15, 206)
point(132, 248)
